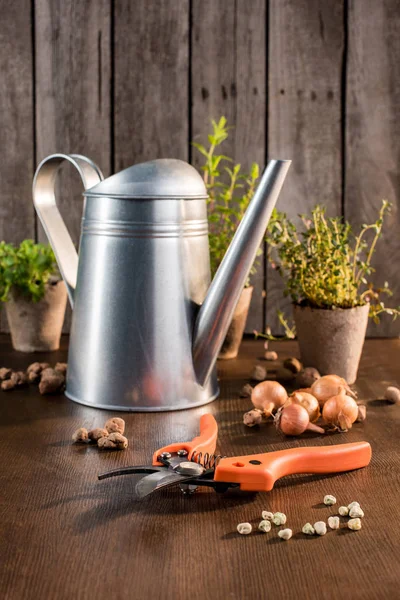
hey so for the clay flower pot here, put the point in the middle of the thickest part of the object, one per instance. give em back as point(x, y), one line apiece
point(36, 326)
point(332, 340)
point(233, 339)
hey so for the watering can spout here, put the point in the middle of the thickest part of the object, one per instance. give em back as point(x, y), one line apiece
point(216, 312)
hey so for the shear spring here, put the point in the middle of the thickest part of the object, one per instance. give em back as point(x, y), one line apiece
point(206, 460)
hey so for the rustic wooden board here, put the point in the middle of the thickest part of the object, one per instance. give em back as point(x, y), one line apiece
point(73, 74)
point(17, 220)
point(228, 74)
point(372, 136)
point(151, 61)
point(64, 534)
point(305, 67)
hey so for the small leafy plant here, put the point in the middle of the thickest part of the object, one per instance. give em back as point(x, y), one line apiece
point(230, 191)
point(326, 265)
point(28, 268)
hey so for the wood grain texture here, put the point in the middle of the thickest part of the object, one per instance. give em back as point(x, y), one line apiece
point(372, 136)
point(304, 125)
point(228, 73)
point(73, 71)
point(17, 220)
point(64, 534)
point(151, 62)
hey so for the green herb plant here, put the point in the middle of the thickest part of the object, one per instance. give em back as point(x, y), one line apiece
point(326, 265)
point(27, 268)
point(230, 191)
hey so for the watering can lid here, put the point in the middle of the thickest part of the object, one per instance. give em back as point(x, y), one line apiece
point(161, 178)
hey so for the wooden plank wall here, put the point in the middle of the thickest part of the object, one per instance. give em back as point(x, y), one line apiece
point(123, 81)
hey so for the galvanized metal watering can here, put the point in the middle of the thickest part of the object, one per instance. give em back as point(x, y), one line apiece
point(147, 325)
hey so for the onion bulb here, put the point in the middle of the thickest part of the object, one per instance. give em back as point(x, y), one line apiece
point(307, 401)
point(340, 411)
point(293, 419)
point(328, 386)
point(268, 396)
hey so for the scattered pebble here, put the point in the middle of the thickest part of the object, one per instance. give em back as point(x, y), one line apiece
point(266, 515)
point(96, 434)
point(308, 529)
point(265, 526)
point(51, 381)
point(343, 511)
point(244, 528)
point(307, 377)
point(279, 518)
point(285, 534)
point(350, 506)
point(329, 500)
point(354, 524)
point(259, 373)
point(246, 390)
point(16, 379)
point(113, 441)
point(293, 365)
point(271, 355)
point(115, 425)
point(80, 436)
point(334, 522)
point(320, 528)
point(5, 373)
point(392, 394)
point(356, 512)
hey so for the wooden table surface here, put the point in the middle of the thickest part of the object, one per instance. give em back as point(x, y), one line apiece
point(64, 534)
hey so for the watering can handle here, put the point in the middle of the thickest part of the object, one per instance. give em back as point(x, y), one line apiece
point(46, 207)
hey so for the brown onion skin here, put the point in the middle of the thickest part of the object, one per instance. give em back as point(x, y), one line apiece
point(307, 401)
point(294, 420)
point(269, 395)
point(331, 385)
point(340, 411)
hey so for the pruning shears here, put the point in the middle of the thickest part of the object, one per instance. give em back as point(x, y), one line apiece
point(193, 464)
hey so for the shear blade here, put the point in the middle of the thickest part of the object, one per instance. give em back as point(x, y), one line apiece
point(156, 481)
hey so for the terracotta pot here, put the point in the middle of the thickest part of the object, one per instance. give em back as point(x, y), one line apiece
point(233, 339)
point(36, 326)
point(332, 340)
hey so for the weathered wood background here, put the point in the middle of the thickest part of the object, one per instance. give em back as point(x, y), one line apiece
point(123, 81)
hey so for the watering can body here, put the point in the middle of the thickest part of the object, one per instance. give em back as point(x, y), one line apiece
point(138, 286)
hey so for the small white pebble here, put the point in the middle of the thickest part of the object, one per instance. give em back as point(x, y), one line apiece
point(354, 524)
point(267, 516)
point(308, 529)
point(271, 355)
point(329, 500)
point(285, 534)
point(343, 511)
point(265, 526)
point(334, 522)
point(244, 528)
point(279, 518)
point(350, 506)
point(356, 512)
point(320, 528)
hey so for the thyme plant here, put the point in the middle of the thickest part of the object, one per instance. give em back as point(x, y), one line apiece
point(230, 191)
point(28, 268)
point(326, 265)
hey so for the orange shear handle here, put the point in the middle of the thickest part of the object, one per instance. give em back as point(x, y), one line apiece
point(258, 473)
point(205, 442)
